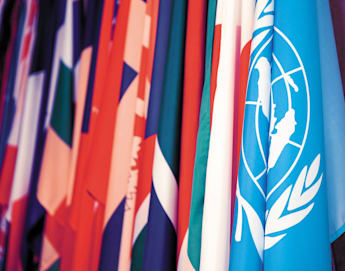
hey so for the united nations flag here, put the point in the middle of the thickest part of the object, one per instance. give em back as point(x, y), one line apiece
point(281, 220)
point(296, 219)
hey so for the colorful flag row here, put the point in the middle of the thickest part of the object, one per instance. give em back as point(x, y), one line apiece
point(172, 135)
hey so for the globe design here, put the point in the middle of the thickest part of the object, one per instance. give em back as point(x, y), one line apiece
point(279, 128)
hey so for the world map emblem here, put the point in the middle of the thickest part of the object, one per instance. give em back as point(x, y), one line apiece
point(277, 115)
point(274, 111)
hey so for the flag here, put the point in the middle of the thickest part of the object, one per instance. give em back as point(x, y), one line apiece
point(248, 226)
point(16, 118)
point(141, 211)
point(89, 29)
point(95, 86)
point(217, 201)
point(89, 41)
point(95, 152)
point(89, 32)
point(193, 81)
point(116, 240)
point(16, 94)
point(334, 130)
point(292, 231)
point(55, 167)
point(160, 245)
point(203, 137)
point(41, 62)
point(296, 230)
point(59, 120)
point(162, 135)
point(142, 82)
point(17, 204)
point(85, 214)
point(6, 116)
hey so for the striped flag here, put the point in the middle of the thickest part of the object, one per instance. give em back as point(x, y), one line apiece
point(88, 55)
point(14, 92)
point(85, 210)
point(98, 128)
point(17, 205)
point(95, 86)
point(162, 14)
point(17, 100)
point(171, 135)
point(143, 84)
point(43, 52)
point(16, 120)
point(116, 242)
point(160, 246)
point(24, 162)
point(59, 120)
point(193, 81)
point(17, 91)
point(83, 74)
point(55, 168)
point(202, 146)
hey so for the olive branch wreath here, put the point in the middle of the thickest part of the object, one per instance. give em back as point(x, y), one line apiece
point(295, 201)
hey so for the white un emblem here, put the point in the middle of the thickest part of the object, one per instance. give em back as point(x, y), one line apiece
point(277, 115)
point(273, 113)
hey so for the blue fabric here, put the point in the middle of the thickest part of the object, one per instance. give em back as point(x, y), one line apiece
point(159, 60)
point(111, 241)
point(334, 125)
point(159, 255)
point(281, 214)
point(94, 40)
point(128, 75)
point(297, 226)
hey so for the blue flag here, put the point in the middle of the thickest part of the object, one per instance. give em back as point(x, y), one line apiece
point(296, 229)
point(334, 125)
point(281, 200)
